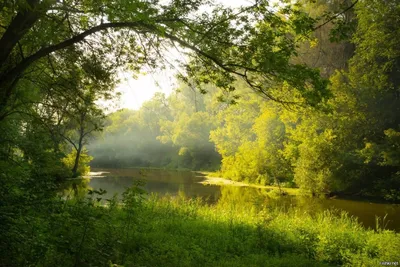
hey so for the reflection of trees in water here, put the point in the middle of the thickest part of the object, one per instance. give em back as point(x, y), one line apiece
point(75, 188)
point(240, 199)
point(156, 181)
point(152, 175)
point(246, 199)
point(255, 199)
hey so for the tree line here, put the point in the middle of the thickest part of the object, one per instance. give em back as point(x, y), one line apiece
point(347, 143)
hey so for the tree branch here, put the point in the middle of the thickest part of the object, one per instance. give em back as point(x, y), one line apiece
point(20, 50)
point(24, 64)
point(69, 141)
point(336, 15)
point(18, 27)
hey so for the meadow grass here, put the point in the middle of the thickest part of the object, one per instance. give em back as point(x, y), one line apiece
point(226, 234)
point(174, 231)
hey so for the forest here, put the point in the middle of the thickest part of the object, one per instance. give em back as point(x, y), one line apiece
point(290, 94)
point(348, 142)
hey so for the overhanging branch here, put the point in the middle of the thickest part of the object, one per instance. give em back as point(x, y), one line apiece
point(336, 15)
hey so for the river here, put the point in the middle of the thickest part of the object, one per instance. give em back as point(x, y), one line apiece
point(188, 184)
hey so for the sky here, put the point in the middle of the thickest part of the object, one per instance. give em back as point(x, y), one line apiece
point(134, 92)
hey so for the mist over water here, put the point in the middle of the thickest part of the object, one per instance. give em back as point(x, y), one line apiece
point(165, 132)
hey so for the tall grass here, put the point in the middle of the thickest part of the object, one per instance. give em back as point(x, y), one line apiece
point(174, 231)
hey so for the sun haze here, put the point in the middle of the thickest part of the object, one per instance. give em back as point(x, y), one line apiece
point(134, 92)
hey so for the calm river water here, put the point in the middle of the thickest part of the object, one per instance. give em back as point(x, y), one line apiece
point(188, 184)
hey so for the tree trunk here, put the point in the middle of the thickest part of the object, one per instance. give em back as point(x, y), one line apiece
point(76, 163)
point(18, 27)
point(80, 145)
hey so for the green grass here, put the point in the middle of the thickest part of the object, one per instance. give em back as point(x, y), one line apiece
point(214, 178)
point(178, 232)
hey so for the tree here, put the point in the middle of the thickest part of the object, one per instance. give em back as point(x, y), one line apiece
point(83, 122)
point(129, 138)
point(252, 43)
point(328, 48)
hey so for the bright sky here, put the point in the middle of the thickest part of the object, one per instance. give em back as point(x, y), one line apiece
point(136, 91)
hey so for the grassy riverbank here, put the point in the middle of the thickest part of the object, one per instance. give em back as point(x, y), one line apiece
point(212, 178)
point(179, 232)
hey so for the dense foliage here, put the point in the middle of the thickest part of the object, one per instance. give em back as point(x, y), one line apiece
point(352, 147)
point(350, 143)
point(57, 59)
point(303, 94)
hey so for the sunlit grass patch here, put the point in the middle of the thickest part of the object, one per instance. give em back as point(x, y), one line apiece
point(213, 178)
point(176, 231)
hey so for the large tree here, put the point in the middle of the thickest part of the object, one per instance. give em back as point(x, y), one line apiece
point(253, 42)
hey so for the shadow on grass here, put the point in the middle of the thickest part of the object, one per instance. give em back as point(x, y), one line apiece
point(179, 232)
point(171, 236)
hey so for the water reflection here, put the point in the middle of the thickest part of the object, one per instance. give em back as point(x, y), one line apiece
point(174, 183)
point(157, 181)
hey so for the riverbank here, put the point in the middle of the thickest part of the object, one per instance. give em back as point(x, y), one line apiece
point(212, 179)
point(174, 231)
